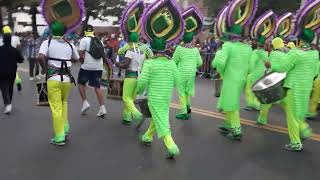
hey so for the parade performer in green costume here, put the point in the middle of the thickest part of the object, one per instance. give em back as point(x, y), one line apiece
point(134, 53)
point(262, 30)
point(160, 75)
point(278, 54)
point(300, 66)
point(315, 97)
point(232, 63)
point(188, 59)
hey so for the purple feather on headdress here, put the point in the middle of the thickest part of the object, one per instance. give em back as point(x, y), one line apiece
point(300, 16)
point(71, 27)
point(193, 11)
point(233, 7)
point(220, 21)
point(282, 19)
point(152, 8)
point(259, 22)
point(125, 16)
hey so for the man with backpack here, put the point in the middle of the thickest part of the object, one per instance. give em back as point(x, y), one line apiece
point(91, 52)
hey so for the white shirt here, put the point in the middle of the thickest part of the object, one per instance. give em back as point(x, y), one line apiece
point(136, 57)
point(59, 49)
point(15, 41)
point(89, 63)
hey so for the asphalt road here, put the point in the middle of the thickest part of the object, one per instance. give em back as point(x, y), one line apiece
point(102, 149)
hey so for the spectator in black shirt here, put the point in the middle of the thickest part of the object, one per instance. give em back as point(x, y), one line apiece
point(9, 57)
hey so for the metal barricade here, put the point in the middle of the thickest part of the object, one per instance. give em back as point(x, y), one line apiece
point(205, 71)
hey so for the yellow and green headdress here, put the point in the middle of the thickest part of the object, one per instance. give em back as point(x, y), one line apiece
point(240, 13)
point(131, 19)
point(163, 21)
point(285, 25)
point(264, 27)
point(308, 21)
point(67, 12)
point(193, 20)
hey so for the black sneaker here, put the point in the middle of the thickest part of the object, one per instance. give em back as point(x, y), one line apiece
point(298, 147)
point(189, 109)
point(125, 122)
point(60, 143)
point(19, 87)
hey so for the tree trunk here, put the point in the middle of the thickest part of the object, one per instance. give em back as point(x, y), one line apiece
point(34, 18)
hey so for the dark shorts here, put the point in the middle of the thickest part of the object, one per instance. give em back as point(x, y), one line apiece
point(93, 77)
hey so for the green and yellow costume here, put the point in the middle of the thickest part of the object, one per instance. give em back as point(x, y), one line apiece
point(262, 29)
point(160, 74)
point(130, 81)
point(188, 59)
point(232, 63)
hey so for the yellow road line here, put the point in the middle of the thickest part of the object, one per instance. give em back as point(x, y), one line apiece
point(274, 128)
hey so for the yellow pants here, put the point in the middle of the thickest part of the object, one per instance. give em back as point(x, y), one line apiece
point(58, 93)
point(128, 97)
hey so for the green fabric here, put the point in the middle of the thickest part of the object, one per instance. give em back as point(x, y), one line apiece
point(307, 35)
point(256, 71)
point(144, 48)
point(261, 40)
point(18, 80)
point(236, 29)
point(158, 44)
point(301, 68)
point(159, 76)
point(134, 37)
point(57, 28)
point(128, 97)
point(251, 99)
point(256, 64)
point(188, 37)
point(292, 120)
point(314, 101)
point(232, 63)
point(187, 61)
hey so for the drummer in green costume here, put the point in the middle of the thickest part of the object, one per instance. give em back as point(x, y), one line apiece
point(300, 66)
point(232, 63)
point(188, 59)
point(256, 71)
point(278, 54)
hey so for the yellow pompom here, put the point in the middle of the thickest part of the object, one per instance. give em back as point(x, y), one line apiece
point(7, 30)
point(291, 45)
point(277, 43)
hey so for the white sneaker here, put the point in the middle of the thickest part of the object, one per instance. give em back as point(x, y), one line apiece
point(85, 107)
point(102, 112)
point(8, 109)
point(31, 78)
